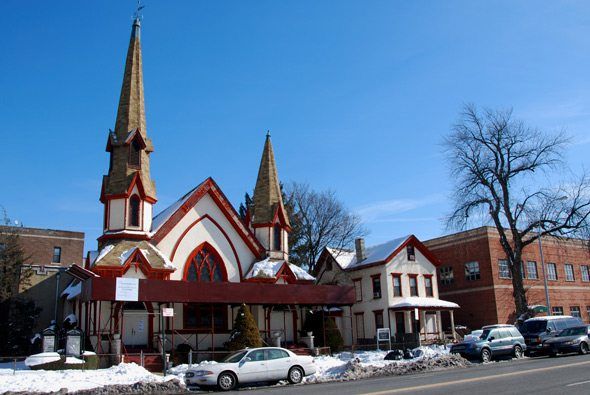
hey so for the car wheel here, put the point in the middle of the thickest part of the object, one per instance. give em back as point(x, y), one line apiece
point(486, 355)
point(518, 352)
point(295, 375)
point(584, 348)
point(226, 381)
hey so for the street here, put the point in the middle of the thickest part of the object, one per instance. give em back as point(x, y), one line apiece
point(567, 374)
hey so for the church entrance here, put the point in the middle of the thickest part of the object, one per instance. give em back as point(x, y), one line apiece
point(135, 325)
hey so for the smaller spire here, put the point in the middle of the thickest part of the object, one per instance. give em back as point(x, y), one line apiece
point(268, 134)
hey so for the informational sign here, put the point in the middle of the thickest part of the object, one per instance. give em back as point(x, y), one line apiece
point(73, 345)
point(383, 336)
point(168, 312)
point(140, 325)
point(48, 343)
point(127, 289)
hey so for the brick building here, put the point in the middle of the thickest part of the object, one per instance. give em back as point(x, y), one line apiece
point(474, 274)
point(48, 252)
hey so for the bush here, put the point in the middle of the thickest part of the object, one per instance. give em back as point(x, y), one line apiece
point(314, 323)
point(245, 331)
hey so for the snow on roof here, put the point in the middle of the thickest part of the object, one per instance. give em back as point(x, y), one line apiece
point(265, 268)
point(347, 259)
point(167, 262)
point(92, 256)
point(300, 273)
point(168, 212)
point(72, 290)
point(146, 253)
point(102, 253)
point(421, 302)
point(125, 255)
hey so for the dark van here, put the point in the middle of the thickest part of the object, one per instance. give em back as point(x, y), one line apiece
point(538, 329)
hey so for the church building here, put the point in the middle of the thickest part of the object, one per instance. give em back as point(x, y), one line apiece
point(185, 271)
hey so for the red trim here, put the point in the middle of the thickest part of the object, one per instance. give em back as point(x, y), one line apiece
point(417, 246)
point(126, 236)
point(209, 186)
point(414, 276)
point(220, 229)
point(137, 260)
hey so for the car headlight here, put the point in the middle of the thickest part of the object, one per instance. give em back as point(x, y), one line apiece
point(569, 343)
point(200, 373)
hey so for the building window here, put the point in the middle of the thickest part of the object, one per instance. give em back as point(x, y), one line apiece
point(277, 233)
point(134, 204)
point(575, 311)
point(413, 285)
point(397, 284)
point(472, 271)
point(411, 253)
point(551, 271)
point(360, 325)
point(531, 268)
point(504, 269)
point(56, 255)
point(585, 273)
point(205, 265)
point(428, 286)
point(557, 310)
point(134, 154)
point(358, 290)
point(376, 280)
point(205, 317)
point(446, 275)
point(569, 272)
point(378, 319)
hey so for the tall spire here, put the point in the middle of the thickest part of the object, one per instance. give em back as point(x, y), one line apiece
point(131, 110)
point(267, 193)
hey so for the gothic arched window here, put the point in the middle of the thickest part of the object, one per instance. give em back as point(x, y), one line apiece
point(277, 237)
point(205, 265)
point(134, 211)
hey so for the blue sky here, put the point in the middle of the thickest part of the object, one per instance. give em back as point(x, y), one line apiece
point(357, 95)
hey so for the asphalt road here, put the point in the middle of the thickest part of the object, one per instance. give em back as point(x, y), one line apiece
point(562, 375)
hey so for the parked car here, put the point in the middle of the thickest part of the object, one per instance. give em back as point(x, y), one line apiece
point(568, 341)
point(495, 341)
point(474, 335)
point(249, 366)
point(537, 330)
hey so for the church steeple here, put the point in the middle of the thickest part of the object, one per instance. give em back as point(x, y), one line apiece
point(128, 191)
point(268, 215)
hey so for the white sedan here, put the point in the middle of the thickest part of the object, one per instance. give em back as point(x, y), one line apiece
point(249, 366)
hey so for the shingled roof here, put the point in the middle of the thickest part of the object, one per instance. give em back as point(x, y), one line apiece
point(267, 193)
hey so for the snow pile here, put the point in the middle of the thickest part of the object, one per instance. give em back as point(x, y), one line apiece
point(75, 380)
point(42, 358)
point(73, 290)
point(350, 366)
point(424, 302)
point(73, 361)
point(265, 269)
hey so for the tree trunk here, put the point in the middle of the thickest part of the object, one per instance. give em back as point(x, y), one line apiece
point(519, 293)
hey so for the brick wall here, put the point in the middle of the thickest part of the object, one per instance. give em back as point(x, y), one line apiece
point(489, 299)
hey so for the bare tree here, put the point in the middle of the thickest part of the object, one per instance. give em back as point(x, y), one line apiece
point(319, 220)
point(498, 165)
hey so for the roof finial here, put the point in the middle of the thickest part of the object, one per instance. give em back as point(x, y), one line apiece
point(267, 133)
point(138, 16)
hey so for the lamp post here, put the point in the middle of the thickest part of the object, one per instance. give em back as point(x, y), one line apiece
point(547, 300)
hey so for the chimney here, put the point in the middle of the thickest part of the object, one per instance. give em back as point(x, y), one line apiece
point(359, 246)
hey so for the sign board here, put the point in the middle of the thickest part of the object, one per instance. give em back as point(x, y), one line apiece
point(127, 289)
point(168, 312)
point(73, 344)
point(383, 334)
point(49, 343)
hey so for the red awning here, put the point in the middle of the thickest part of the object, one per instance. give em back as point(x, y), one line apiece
point(102, 288)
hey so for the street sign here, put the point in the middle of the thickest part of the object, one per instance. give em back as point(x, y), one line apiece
point(383, 335)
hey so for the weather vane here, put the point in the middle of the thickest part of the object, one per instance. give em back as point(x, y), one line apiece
point(138, 14)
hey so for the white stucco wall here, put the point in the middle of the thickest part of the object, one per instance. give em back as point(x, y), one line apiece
point(206, 231)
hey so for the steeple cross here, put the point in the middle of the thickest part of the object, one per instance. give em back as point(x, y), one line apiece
point(137, 14)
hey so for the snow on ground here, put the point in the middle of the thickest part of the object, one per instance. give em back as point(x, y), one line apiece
point(74, 380)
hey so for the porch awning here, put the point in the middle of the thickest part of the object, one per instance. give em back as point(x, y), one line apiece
point(415, 302)
point(150, 290)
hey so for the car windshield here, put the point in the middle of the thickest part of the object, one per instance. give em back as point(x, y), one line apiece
point(573, 332)
point(235, 357)
point(535, 326)
point(485, 334)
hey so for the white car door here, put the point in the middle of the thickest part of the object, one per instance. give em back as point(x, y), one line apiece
point(279, 362)
point(253, 367)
